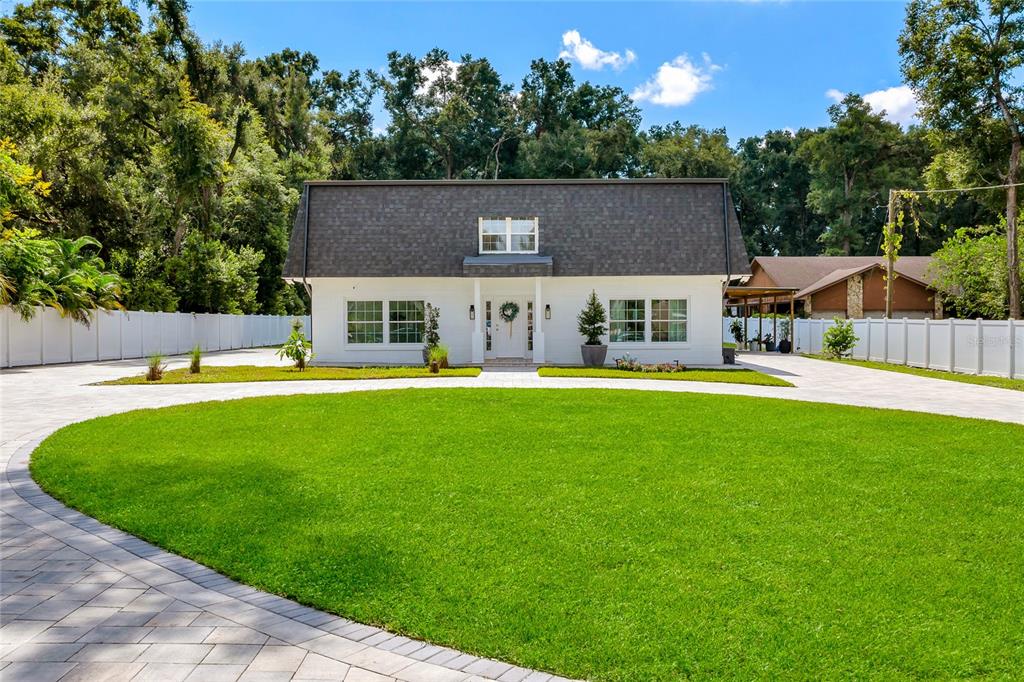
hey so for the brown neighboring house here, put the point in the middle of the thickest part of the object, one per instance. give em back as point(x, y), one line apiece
point(850, 286)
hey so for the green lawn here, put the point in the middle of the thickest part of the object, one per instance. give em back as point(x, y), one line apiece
point(981, 380)
point(214, 374)
point(725, 376)
point(611, 535)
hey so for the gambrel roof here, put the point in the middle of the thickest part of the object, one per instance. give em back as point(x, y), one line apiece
point(428, 228)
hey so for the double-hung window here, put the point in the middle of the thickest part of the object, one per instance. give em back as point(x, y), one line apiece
point(405, 321)
point(626, 321)
point(508, 235)
point(668, 320)
point(365, 322)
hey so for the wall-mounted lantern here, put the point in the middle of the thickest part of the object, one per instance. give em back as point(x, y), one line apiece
point(547, 311)
point(472, 311)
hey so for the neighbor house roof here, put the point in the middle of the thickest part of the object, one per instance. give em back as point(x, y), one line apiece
point(424, 228)
point(814, 273)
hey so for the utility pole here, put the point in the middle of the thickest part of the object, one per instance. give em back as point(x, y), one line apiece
point(890, 252)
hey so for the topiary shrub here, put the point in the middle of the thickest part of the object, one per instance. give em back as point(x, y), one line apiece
point(839, 339)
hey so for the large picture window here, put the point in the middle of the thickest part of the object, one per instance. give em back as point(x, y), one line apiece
point(508, 235)
point(668, 320)
point(365, 322)
point(626, 321)
point(405, 321)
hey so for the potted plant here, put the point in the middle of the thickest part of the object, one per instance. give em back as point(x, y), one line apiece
point(439, 357)
point(769, 343)
point(431, 337)
point(592, 326)
point(785, 345)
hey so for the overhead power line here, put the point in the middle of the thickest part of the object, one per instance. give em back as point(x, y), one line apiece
point(962, 189)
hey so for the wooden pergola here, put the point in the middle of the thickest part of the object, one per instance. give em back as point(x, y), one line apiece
point(749, 297)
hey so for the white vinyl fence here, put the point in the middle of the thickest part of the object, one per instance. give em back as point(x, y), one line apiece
point(994, 347)
point(49, 339)
point(753, 331)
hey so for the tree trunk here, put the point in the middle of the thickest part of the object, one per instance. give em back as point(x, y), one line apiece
point(890, 260)
point(1012, 257)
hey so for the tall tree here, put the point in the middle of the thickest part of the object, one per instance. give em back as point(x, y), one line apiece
point(770, 185)
point(965, 60)
point(853, 165)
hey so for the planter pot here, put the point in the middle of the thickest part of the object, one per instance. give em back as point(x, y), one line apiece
point(426, 355)
point(593, 356)
point(729, 356)
point(785, 346)
point(770, 346)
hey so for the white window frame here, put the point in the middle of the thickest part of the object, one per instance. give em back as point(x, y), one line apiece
point(648, 342)
point(685, 321)
point(386, 312)
point(508, 236)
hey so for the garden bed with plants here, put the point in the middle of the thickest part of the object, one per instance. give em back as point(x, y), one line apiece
point(721, 376)
point(606, 534)
point(217, 374)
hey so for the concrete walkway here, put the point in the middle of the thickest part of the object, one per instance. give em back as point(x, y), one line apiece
point(82, 601)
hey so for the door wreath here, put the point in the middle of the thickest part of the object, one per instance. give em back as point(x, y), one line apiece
point(508, 312)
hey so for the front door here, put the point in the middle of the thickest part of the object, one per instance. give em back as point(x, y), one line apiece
point(508, 339)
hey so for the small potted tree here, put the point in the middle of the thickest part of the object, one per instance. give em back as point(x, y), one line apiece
point(785, 345)
point(769, 343)
point(592, 326)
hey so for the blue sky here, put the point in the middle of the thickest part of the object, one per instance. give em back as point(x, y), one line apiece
point(748, 66)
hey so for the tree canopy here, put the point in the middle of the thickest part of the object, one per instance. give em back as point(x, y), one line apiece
point(185, 160)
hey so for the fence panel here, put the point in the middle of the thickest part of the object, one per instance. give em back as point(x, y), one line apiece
point(994, 347)
point(48, 338)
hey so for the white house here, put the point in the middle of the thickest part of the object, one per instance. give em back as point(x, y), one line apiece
point(510, 263)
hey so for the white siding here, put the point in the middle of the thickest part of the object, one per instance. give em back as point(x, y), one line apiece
point(565, 295)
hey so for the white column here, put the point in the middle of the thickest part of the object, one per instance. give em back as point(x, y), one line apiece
point(538, 321)
point(478, 328)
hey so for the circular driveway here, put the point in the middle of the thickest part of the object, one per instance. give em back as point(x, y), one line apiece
point(85, 601)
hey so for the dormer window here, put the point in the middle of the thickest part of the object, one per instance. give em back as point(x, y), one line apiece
point(508, 235)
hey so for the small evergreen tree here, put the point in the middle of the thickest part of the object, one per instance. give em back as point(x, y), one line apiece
point(592, 320)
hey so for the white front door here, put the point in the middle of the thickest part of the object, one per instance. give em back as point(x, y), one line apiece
point(508, 339)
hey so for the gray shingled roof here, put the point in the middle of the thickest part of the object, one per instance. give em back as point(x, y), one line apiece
point(587, 227)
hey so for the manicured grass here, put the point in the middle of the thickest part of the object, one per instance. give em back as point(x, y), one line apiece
point(215, 374)
point(728, 344)
point(981, 380)
point(611, 535)
point(724, 376)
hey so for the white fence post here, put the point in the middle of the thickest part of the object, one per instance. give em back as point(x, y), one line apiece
point(980, 340)
point(952, 344)
point(1010, 368)
point(927, 343)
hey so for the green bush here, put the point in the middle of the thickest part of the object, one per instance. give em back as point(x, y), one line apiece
point(839, 339)
point(297, 348)
point(155, 368)
point(736, 329)
point(196, 358)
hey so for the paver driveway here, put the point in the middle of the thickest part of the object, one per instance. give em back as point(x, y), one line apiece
point(84, 601)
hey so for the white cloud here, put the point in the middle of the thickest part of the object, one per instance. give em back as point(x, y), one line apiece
point(677, 82)
point(432, 75)
point(899, 103)
point(587, 55)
